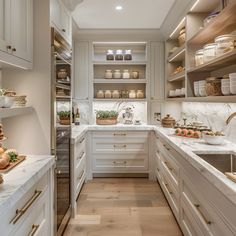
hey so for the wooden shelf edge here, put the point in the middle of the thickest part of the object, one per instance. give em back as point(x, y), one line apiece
point(119, 100)
point(119, 81)
point(178, 77)
point(119, 62)
point(219, 99)
point(181, 50)
point(14, 111)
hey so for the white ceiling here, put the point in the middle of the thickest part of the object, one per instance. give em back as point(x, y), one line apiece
point(136, 14)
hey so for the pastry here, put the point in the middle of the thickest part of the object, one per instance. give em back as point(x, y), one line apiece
point(4, 161)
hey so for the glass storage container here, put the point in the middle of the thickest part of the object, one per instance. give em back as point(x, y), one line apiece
point(209, 52)
point(108, 94)
point(117, 74)
point(132, 94)
point(140, 94)
point(135, 74)
point(225, 43)
point(108, 74)
point(110, 55)
point(210, 18)
point(115, 94)
point(126, 74)
point(119, 55)
point(213, 86)
point(199, 57)
point(128, 55)
point(125, 94)
point(100, 94)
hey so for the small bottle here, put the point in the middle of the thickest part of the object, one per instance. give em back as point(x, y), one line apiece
point(77, 117)
point(73, 115)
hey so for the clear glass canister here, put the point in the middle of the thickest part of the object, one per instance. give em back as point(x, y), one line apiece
point(128, 55)
point(135, 74)
point(108, 74)
point(119, 55)
point(108, 94)
point(125, 94)
point(100, 94)
point(199, 57)
point(115, 94)
point(213, 86)
point(209, 52)
point(225, 43)
point(117, 74)
point(140, 94)
point(132, 94)
point(110, 55)
point(126, 74)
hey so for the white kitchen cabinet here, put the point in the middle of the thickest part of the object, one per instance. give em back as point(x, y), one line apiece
point(157, 71)
point(61, 19)
point(16, 32)
point(120, 152)
point(78, 169)
point(81, 71)
point(33, 212)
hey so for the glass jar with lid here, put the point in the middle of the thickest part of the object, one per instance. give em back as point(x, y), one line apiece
point(108, 74)
point(115, 94)
point(117, 74)
point(100, 94)
point(225, 43)
point(135, 74)
point(108, 94)
point(132, 94)
point(126, 74)
point(213, 86)
point(119, 55)
point(140, 94)
point(209, 52)
point(128, 55)
point(110, 55)
point(199, 57)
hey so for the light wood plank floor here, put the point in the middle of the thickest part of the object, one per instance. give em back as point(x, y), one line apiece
point(122, 207)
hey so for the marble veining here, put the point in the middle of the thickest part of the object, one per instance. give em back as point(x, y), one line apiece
point(20, 179)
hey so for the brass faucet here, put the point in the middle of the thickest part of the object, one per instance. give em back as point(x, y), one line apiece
point(230, 118)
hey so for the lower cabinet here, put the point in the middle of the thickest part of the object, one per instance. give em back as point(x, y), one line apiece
point(120, 152)
point(33, 213)
point(198, 206)
point(78, 170)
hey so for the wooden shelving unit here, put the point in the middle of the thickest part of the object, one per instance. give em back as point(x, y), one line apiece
point(119, 100)
point(196, 37)
point(119, 81)
point(122, 63)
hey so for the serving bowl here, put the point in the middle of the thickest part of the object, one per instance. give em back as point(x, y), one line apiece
point(213, 140)
point(8, 102)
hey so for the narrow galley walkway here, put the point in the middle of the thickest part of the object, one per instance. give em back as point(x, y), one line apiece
point(122, 207)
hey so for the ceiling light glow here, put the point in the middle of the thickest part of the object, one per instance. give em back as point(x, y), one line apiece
point(119, 8)
point(194, 5)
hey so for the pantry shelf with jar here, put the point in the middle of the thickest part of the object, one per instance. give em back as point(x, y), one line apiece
point(119, 71)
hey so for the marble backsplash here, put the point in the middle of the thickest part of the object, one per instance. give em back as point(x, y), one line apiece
point(214, 115)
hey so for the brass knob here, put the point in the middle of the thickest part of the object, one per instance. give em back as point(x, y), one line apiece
point(63, 30)
point(14, 49)
point(8, 46)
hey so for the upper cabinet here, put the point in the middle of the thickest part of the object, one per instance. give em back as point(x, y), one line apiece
point(61, 19)
point(16, 32)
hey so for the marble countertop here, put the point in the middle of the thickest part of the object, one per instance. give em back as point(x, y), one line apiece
point(20, 179)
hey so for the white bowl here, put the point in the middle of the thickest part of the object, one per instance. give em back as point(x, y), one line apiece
point(2, 101)
point(213, 140)
point(8, 102)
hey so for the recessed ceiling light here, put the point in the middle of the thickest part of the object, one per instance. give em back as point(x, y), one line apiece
point(119, 8)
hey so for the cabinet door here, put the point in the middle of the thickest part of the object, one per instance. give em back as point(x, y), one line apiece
point(81, 70)
point(4, 25)
point(22, 28)
point(66, 23)
point(157, 71)
point(55, 13)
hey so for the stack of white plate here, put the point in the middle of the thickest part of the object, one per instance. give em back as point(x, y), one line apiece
point(196, 88)
point(232, 78)
point(20, 101)
point(225, 86)
point(202, 88)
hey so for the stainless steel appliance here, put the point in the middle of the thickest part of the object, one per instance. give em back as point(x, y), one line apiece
point(61, 133)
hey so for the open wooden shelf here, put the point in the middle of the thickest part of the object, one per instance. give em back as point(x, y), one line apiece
point(177, 55)
point(219, 99)
point(119, 99)
point(119, 81)
point(177, 77)
point(120, 62)
point(62, 86)
point(224, 23)
point(225, 60)
point(14, 111)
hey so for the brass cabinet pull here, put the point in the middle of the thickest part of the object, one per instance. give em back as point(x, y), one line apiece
point(167, 187)
point(21, 212)
point(82, 154)
point(63, 30)
point(119, 146)
point(168, 149)
point(8, 47)
point(14, 49)
point(202, 215)
point(122, 134)
point(81, 175)
point(34, 230)
point(119, 162)
point(167, 165)
point(82, 140)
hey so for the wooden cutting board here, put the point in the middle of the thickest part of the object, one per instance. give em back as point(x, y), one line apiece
point(231, 176)
point(13, 164)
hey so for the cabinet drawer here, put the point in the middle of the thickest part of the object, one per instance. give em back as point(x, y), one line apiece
point(80, 145)
point(123, 163)
point(203, 213)
point(171, 194)
point(80, 175)
point(107, 146)
point(37, 221)
point(17, 213)
point(121, 134)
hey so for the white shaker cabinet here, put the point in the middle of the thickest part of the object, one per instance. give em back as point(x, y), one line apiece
point(61, 19)
point(16, 32)
point(157, 70)
point(81, 71)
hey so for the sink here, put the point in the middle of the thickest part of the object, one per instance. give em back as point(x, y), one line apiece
point(225, 162)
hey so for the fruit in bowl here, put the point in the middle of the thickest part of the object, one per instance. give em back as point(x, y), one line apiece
point(214, 138)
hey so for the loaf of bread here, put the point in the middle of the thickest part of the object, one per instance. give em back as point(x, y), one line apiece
point(4, 161)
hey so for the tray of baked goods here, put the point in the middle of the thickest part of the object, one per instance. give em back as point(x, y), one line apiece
point(9, 158)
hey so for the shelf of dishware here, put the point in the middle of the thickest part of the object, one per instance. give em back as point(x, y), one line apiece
point(15, 111)
point(119, 81)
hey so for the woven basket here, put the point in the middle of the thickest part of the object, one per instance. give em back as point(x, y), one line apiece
point(65, 122)
point(110, 121)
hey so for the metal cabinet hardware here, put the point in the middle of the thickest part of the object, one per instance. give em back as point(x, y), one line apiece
point(34, 230)
point(119, 162)
point(167, 187)
point(168, 149)
point(119, 146)
point(63, 30)
point(167, 165)
point(14, 49)
point(117, 134)
point(197, 206)
point(81, 155)
point(81, 140)
point(8, 47)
